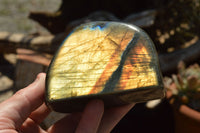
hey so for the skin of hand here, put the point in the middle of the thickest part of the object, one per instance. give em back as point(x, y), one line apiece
point(25, 110)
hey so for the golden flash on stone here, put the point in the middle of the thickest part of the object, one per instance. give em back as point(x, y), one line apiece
point(112, 61)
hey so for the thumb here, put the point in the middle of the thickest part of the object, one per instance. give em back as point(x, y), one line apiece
point(16, 109)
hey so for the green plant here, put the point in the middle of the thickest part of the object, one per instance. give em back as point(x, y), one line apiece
point(185, 86)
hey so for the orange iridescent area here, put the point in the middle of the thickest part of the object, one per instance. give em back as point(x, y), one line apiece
point(137, 71)
point(102, 59)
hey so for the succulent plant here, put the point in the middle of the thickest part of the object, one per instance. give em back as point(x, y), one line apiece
point(185, 85)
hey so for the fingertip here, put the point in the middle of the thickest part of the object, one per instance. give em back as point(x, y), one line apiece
point(112, 116)
point(41, 76)
point(91, 117)
point(95, 106)
point(40, 79)
point(96, 103)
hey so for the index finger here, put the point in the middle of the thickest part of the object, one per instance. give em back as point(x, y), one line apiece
point(112, 116)
point(16, 109)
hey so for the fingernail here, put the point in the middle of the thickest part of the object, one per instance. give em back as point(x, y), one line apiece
point(37, 78)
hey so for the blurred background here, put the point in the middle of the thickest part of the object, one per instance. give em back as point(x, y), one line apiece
point(31, 31)
point(14, 19)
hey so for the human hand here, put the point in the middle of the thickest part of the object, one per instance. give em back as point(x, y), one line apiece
point(25, 110)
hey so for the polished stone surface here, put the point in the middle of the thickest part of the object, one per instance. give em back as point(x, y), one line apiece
point(104, 58)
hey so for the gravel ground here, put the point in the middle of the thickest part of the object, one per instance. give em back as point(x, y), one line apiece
point(14, 19)
point(14, 14)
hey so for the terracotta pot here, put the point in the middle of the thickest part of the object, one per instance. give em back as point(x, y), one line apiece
point(187, 120)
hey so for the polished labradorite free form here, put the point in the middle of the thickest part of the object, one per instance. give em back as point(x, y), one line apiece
point(106, 60)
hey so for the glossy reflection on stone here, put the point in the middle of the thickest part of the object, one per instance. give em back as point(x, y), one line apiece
point(102, 58)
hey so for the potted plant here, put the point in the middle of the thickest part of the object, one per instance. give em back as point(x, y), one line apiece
point(183, 93)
